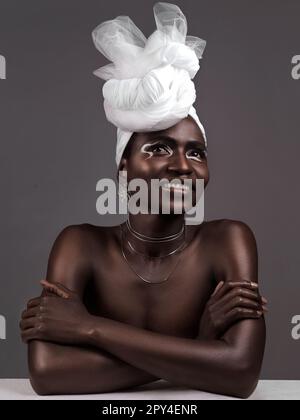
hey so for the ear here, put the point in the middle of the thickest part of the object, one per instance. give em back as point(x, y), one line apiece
point(122, 166)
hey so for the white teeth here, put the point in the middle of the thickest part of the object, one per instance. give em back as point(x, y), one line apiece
point(176, 186)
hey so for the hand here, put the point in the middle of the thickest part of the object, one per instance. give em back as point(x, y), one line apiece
point(60, 316)
point(230, 302)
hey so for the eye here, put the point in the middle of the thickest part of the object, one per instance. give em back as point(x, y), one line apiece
point(197, 154)
point(159, 149)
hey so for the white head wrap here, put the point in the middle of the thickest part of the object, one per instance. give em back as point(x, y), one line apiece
point(148, 84)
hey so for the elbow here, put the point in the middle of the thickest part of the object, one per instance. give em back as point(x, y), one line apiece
point(40, 376)
point(244, 380)
point(39, 380)
point(244, 388)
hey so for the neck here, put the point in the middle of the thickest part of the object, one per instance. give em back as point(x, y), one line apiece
point(157, 226)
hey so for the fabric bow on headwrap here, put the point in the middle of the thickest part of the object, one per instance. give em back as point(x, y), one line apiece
point(149, 82)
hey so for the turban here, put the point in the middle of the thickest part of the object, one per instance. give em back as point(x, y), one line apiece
point(148, 84)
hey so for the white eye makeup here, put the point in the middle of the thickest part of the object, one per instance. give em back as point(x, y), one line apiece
point(201, 155)
point(160, 149)
point(156, 148)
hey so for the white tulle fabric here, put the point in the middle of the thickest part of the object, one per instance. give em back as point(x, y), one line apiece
point(149, 83)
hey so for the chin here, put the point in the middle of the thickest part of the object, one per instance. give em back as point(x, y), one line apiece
point(178, 206)
point(174, 203)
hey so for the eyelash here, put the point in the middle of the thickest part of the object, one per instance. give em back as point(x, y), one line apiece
point(202, 153)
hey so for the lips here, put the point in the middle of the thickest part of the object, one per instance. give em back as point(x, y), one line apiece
point(175, 186)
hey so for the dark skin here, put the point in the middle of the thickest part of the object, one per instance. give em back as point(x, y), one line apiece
point(97, 327)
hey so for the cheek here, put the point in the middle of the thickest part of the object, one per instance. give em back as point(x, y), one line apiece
point(140, 167)
point(206, 176)
point(203, 173)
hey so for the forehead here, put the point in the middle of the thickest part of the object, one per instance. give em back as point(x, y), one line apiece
point(185, 130)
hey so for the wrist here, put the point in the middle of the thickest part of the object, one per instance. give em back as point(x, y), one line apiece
point(92, 333)
point(207, 335)
point(87, 329)
point(207, 332)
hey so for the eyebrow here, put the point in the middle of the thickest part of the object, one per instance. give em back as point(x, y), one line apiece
point(171, 140)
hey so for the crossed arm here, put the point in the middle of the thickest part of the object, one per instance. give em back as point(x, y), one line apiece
point(88, 354)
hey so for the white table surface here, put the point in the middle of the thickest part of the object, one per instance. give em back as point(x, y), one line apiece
point(20, 389)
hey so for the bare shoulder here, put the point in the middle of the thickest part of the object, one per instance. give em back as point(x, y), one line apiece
point(232, 249)
point(82, 243)
point(73, 237)
point(71, 257)
point(229, 230)
point(83, 235)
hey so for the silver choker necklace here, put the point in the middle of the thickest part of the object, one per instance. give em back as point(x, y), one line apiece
point(154, 239)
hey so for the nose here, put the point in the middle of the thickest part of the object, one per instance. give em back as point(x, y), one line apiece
point(180, 164)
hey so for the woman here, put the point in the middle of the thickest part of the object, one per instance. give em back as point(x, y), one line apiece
point(154, 297)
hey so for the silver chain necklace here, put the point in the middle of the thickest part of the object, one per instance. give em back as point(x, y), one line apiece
point(146, 238)
point(141, 255)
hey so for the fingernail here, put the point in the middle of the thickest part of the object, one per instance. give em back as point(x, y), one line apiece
point(219, 285)
point(259, 313)
point(254, 284)
point(264, 299)
point(265, 308)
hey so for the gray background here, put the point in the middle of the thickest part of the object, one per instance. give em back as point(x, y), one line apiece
point(56, 142)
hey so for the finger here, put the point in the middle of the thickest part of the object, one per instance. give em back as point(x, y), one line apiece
point(220, 284)
point(33, 302)
point(27, 323)
point(242, 302)
point(56, 288)
point(49, 287)
point(264, 300)
point(29, 334)
point(235, 293)
point(65, 289)
point(247, 293)
point(54, 291)
point(27, 313)
point(243, 292)
point(219, 291)
point(46, 292)
point(248, 284)
point(242, 313)
point(59, 287)
point(229, 285)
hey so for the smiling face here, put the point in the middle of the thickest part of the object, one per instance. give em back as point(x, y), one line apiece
point(177, 152)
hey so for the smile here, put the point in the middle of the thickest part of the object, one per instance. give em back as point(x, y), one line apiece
point(175, 187)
